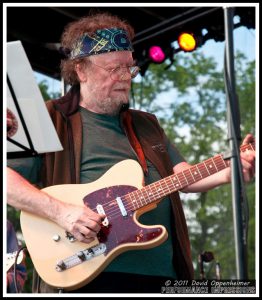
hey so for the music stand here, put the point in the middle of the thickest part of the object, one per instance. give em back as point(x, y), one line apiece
point(30, 130)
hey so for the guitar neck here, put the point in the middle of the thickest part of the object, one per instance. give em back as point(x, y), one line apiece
point(176, 182)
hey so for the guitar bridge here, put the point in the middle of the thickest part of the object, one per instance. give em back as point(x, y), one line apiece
point(80, 257)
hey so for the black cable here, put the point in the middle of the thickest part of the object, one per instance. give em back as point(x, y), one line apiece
point(15, 263)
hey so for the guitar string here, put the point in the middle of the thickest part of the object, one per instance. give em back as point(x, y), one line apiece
point(220, 164)
point(165, 190)
point(115, 211)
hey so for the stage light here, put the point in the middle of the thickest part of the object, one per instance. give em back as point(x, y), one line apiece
point(187, 41)
point(156, 54)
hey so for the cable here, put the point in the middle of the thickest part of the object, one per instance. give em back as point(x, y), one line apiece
point(15, 264)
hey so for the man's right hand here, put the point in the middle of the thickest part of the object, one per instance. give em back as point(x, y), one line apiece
point(80, 221)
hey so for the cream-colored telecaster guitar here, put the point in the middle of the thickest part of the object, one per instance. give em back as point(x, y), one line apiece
point(65, 263)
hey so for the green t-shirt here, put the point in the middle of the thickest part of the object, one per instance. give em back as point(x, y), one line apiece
point(104, 145)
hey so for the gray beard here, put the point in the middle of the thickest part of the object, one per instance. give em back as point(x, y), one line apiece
point(109, 106)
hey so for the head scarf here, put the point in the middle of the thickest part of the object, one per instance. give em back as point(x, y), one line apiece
point(102, 41)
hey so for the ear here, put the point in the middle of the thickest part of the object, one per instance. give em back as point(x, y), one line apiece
point(80, 71)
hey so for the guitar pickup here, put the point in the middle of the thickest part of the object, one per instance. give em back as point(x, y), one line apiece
point(121, 206)
point(100, 210)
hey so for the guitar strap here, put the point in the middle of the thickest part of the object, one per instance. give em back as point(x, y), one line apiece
point(127, 121)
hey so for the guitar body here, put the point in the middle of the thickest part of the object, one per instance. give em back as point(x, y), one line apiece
point(47, 243)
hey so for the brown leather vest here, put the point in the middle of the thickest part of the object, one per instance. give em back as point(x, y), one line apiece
point(63, 167)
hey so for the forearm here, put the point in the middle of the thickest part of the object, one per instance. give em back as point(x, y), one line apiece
point(207, 183)
point(22, 195)
point(80, 221)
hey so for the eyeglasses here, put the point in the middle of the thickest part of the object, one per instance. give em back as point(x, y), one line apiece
point(121, 73)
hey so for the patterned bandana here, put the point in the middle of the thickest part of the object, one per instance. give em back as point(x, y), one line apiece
point(102, 41)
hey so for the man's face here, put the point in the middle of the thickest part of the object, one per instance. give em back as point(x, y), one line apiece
point(102, 92)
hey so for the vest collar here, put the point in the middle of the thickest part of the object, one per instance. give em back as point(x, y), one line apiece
point(68, 104)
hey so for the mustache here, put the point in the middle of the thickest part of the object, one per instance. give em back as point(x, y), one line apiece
point(122, 87)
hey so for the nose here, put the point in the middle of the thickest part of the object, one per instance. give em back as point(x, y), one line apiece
point(126, 74)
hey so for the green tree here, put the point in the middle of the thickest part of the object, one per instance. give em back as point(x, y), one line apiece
point(43, 86)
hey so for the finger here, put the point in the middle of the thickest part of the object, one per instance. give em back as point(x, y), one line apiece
point(248, 139)
point(87, 232)
point(84, 239)
point(83, 234)
point(249, 156)
point(98, 218)
point(248, 170)
point(91, 224)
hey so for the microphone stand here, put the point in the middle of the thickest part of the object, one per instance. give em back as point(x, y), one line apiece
point(240, 209)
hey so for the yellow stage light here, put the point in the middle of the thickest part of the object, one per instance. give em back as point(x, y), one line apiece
point(187, 42)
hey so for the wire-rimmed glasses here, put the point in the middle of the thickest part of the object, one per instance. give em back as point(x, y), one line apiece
point(121, 72)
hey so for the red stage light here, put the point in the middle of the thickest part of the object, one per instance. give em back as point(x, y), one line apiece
point(156, 54)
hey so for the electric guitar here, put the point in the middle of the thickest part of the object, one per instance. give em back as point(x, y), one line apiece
point(63, 262)
point(12, 258)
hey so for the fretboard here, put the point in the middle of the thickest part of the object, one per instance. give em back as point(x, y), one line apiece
point(176, 182)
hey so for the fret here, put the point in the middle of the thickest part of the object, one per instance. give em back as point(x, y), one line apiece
point(148, 194)
point(166, 183)
point(203, 163)
point(214, 163)
point(155, 190)
point(143, 197)
point(138, 197)
point(222, 163)
point(176, 182)
point(199, 172)
point(203, 169)
point(133, 201)
point(185, 177)
point(159, 189)
point(210, 166)
point(181, 179)
point(192, 174)
point(171, 184)
point(189, 176)
point(196, 173)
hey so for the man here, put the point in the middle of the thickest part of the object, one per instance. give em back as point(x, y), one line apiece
point(98, 130)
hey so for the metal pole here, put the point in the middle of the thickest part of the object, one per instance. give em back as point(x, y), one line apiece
point(233, 119)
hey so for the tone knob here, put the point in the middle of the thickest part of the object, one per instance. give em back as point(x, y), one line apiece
point(56, 237)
